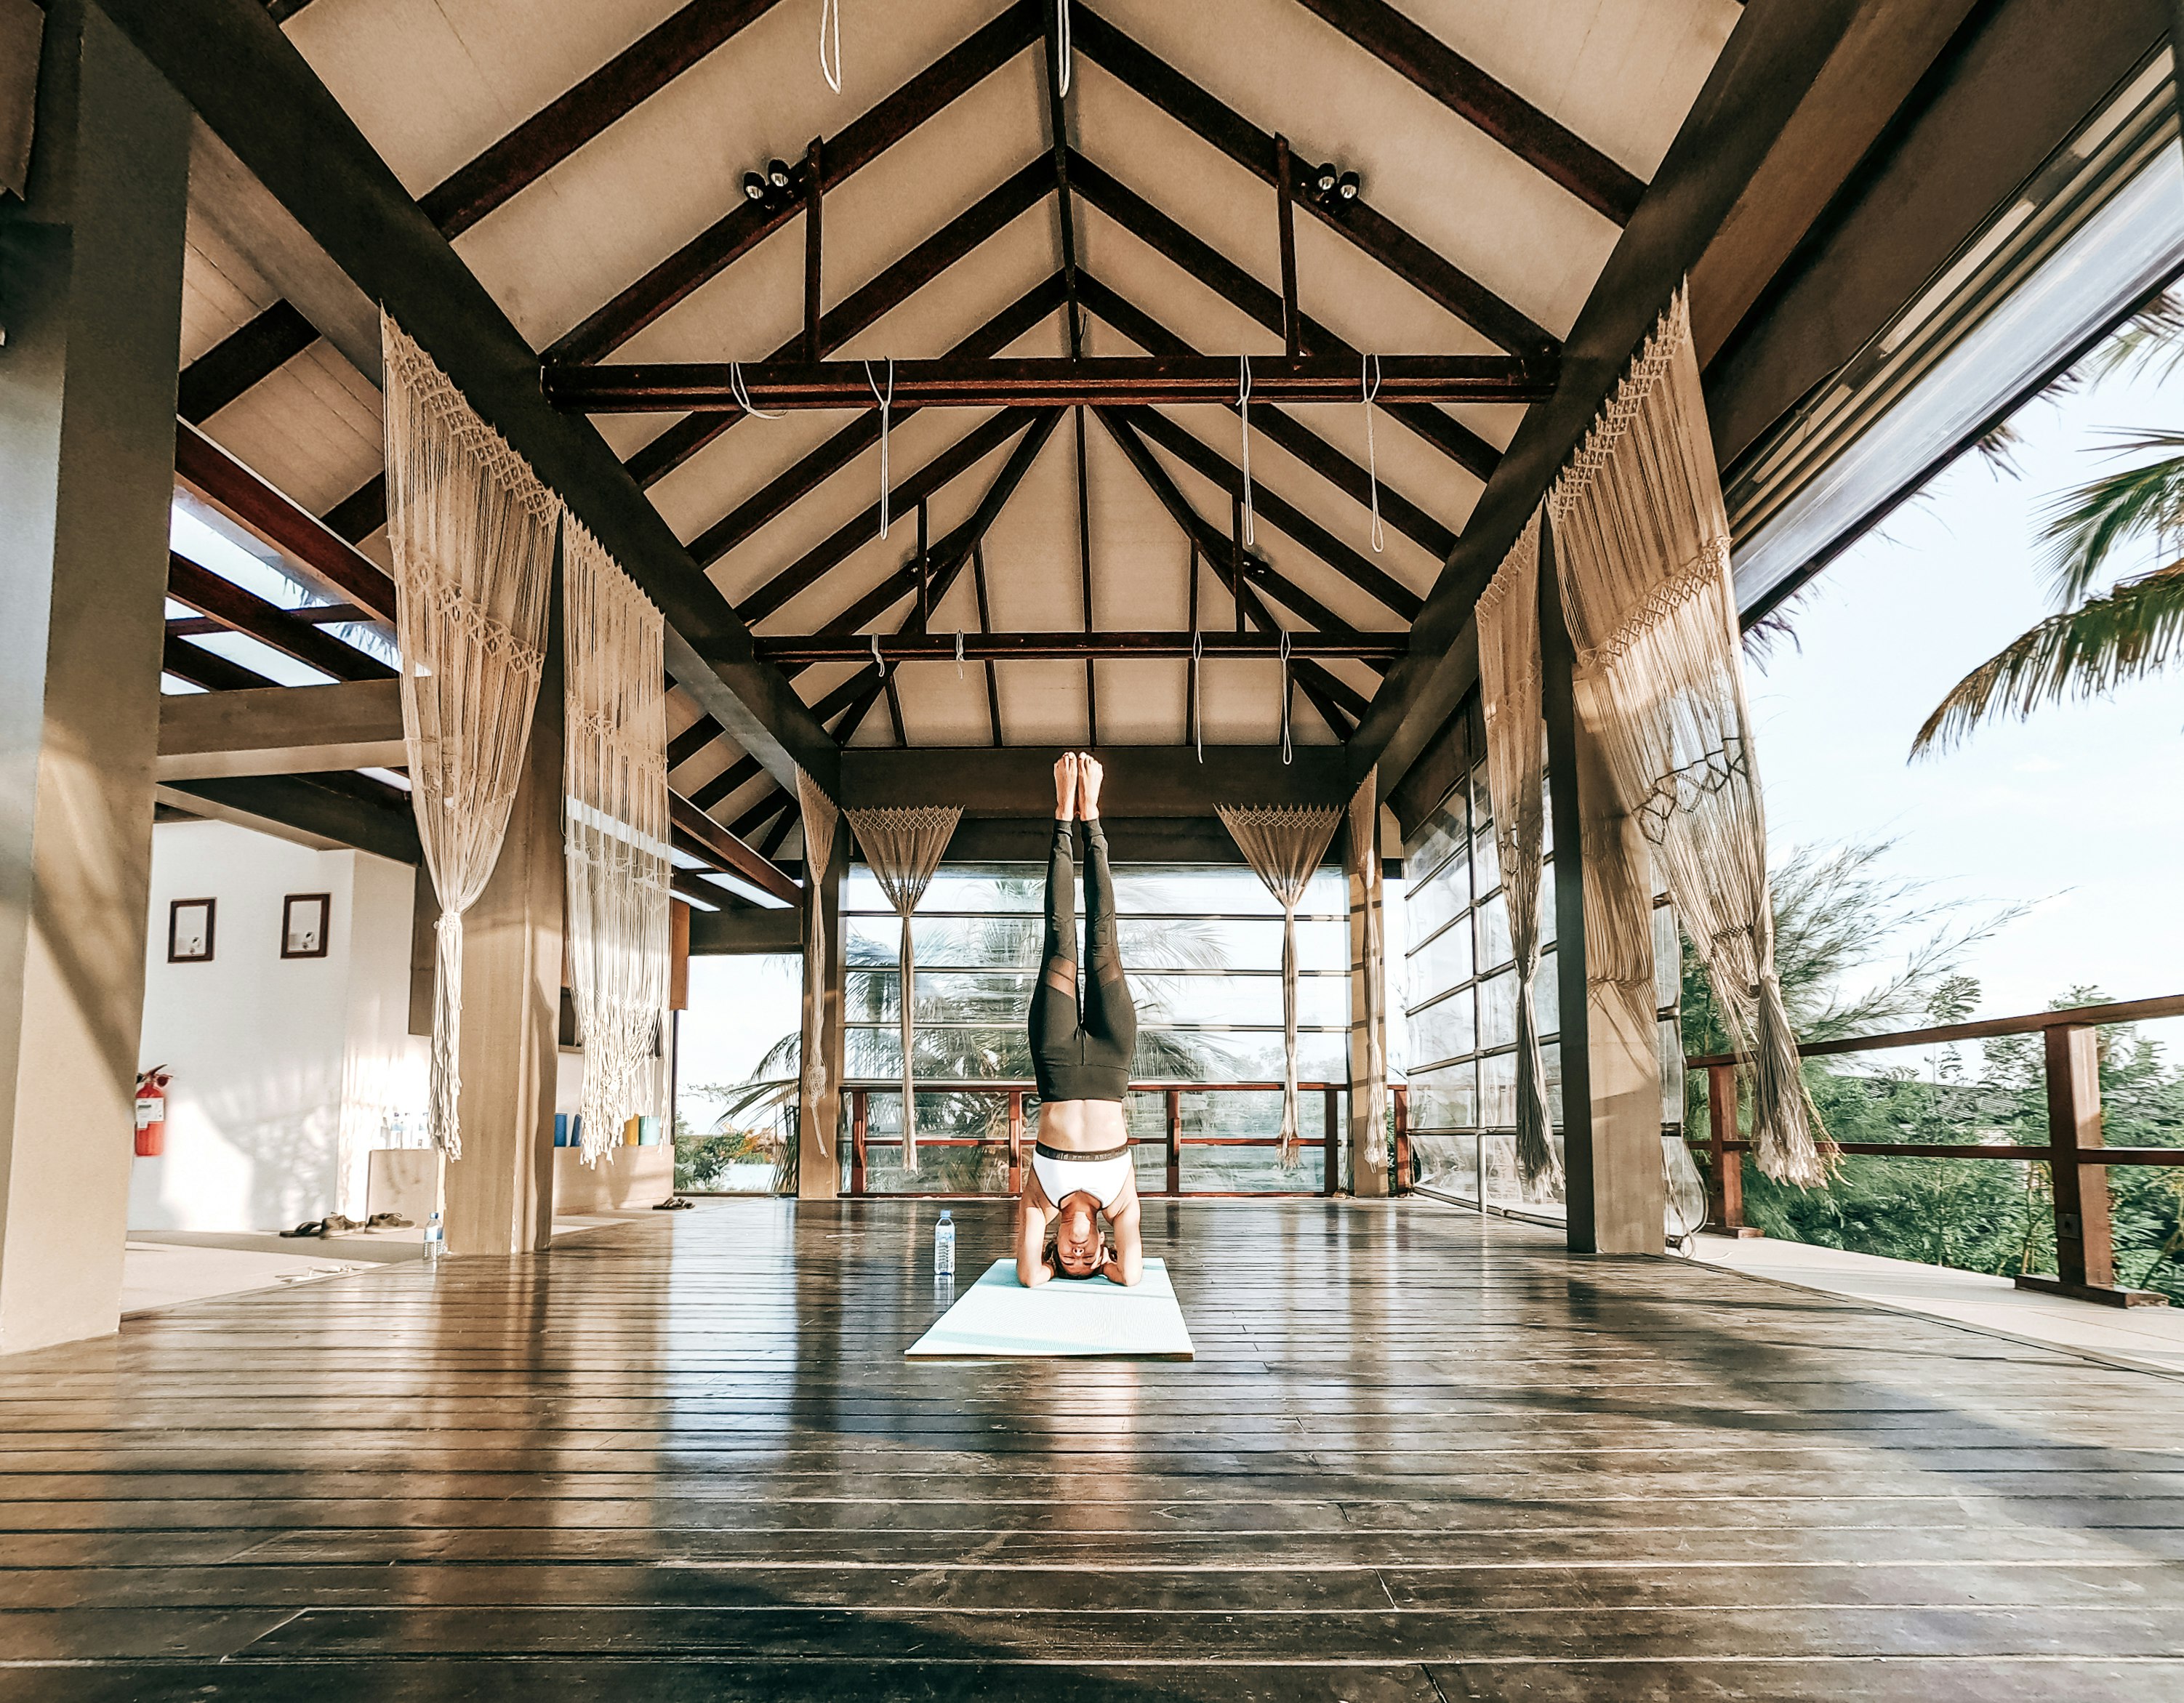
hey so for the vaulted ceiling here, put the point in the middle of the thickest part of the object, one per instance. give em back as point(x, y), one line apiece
point(587, 162)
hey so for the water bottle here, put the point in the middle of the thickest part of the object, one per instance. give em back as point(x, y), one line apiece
point(436, 1241)
point(943, 1247)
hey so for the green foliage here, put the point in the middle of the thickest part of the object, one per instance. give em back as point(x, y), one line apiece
point(701, 1157)
point(1990, 1216)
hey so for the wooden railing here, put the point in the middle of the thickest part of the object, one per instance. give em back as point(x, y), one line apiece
point(862, 1140)
point(2085, 1253)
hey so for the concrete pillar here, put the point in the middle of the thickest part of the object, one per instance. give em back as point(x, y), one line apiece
point(818, 1127)
point(500, 1193)
point(90, 267)
point(1369, 992)
point(1616, 1192)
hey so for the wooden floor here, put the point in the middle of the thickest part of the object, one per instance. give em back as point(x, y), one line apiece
point(1417, 1458)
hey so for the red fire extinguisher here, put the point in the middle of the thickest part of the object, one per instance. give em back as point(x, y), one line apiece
point(152, 1110)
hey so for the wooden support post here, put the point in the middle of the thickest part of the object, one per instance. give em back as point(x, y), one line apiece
point(1614, 1188)
point(986, 625)
point(91, 299)
point(1236, 556)
point(1191, 675)
point(1330, 1169)
point(860, 1112)
point(1175, 1141)
point(2085, 1255)
point(1285, 213)
point(813, 173)
point(1016, 1141)
point(1399, 1183)
point(1725, 1169)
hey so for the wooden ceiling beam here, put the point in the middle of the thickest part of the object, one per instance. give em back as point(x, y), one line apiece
point(1253, 148)
point(245, 612)
point(1040, 381)
point(550, 135)
point(290, 528)
point(242, 358)
point(1208, 463)
point(742, 771)
point(796, 482)
point(853, 535)
point(1550, 149)
point(207, 669)
point(1772, 62)
point(1259, 575)
point(316, 615)
point(1285, 430)
point(700, 836)
point(861, 309)
point(947, 558)
point(1071, 645)
point(1199, 260)
point(963, 68)
point(259, 97)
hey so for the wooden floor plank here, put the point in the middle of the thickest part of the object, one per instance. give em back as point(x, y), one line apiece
point(1420, 1458)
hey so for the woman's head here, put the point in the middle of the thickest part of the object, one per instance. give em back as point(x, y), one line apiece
point(1077, 1249)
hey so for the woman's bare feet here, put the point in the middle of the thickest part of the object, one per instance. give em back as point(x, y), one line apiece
point(1088, 777)
point(1064, 788)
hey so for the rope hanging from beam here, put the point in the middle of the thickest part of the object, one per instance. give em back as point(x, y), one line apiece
point(1244, 408)
point(830, 15)
point(1369, 382)
point(742, 395)
point(887, 405)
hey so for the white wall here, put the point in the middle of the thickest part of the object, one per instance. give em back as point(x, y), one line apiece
point(287, 1071)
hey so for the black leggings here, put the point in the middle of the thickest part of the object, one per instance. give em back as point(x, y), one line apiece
point(1082, 1052)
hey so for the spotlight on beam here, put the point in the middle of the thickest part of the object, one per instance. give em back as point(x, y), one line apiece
point(1331, 187)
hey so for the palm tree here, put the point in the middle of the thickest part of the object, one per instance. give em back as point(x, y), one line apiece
point(2094, 642)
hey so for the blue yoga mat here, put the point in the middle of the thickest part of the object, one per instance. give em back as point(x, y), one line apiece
point(1069, 1318)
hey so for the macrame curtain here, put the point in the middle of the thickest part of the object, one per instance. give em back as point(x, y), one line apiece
point(1368, 1110)
point(1283, 845)
point(1508, 615)
point(904, 847)
point(819, 815)
point(615, 834)
point(472, 534)
point(1641, 546)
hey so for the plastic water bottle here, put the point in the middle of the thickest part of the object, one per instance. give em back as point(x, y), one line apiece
point(436, 1241)
point(943, 1247)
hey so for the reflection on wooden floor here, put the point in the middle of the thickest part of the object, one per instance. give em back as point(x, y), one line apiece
point(1417, 1459)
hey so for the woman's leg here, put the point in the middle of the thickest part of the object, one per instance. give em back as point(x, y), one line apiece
point(1111, 1015)
point(1054, 1018)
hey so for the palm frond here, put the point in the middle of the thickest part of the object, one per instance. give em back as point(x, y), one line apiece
point(2133, 630)
point(2092, 521)
point(2150, 342)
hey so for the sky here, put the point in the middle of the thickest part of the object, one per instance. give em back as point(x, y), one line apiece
point(2077, 813)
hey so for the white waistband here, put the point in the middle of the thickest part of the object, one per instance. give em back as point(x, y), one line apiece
point(1101, 1178)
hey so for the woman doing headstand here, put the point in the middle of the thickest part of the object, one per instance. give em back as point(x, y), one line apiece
point(1081, 1048)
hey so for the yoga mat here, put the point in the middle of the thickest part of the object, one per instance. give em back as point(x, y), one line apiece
point(1068, 1318)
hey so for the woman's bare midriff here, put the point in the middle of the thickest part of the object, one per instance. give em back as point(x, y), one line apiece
point(1082, 1126)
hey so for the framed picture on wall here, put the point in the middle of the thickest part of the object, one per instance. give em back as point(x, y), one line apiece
point(189, 931)
point(304, 923)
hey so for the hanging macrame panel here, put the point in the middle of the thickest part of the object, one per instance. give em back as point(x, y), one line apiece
point(616, 833)
point(1508, 614)
point(472, 531)
point(1641, 545)
point(904, 848)
point(1283, 844)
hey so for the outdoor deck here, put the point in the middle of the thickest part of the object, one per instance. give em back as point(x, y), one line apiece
point(1417, 1458)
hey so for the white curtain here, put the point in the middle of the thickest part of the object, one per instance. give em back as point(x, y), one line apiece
point(1641, 546)
point(904, 848)
point(1283, 844)
point(1516, 775)
point(615, 834)
point(472, 533)
point(820, 814)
